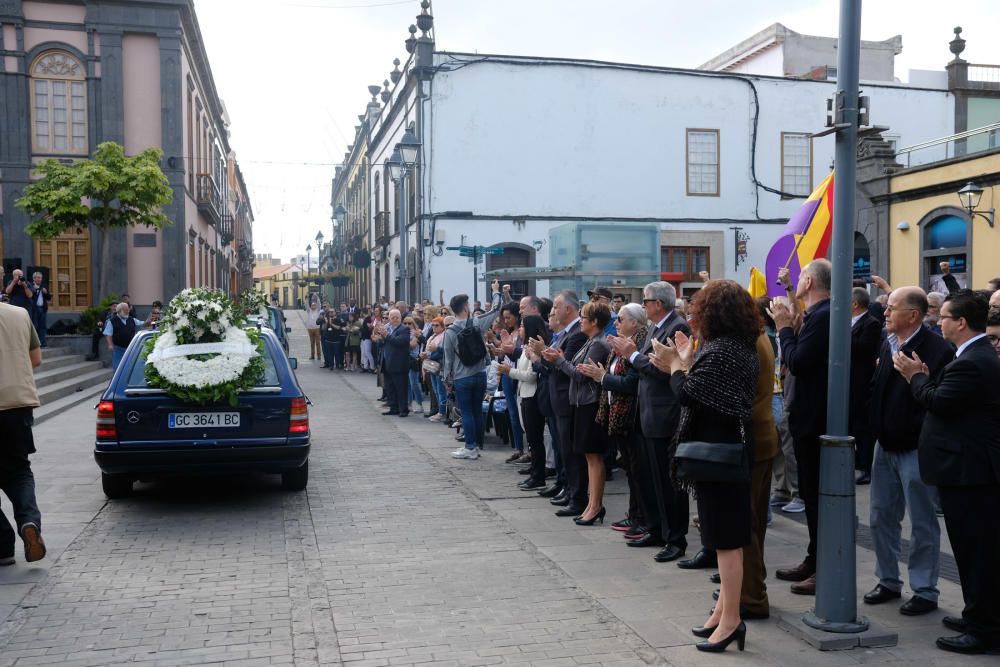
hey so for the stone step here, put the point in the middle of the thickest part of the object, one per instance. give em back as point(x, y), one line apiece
point(51, 409)
point(76, 367)
point(51, 359)
point(81, 382)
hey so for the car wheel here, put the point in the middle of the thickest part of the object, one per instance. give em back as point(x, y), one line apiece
point(116, 486)
point(296, 480)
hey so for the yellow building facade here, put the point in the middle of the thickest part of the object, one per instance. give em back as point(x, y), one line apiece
point(928, 224)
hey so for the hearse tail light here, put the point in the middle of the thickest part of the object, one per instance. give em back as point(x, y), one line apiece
point(106, 429)
point(298, 419)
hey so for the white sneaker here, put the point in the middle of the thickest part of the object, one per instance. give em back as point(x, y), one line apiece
point(464, 453)
point(795, 506)
point(420, 409)
point(435, 418)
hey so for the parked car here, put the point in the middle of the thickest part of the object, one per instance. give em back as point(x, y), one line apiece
point(142, 432)
point(275, 321)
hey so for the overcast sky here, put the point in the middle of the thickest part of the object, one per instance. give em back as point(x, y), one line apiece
point(294, 73)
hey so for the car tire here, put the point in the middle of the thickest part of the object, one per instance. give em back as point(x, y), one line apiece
point(116, 486)
point(296, 480)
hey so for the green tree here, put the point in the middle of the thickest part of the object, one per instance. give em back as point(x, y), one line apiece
point(110, 191)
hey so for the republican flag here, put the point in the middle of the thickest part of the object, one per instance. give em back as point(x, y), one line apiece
point(806, 237)
point(758, 285)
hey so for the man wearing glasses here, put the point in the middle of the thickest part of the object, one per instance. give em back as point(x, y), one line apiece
point(960, 454)
point(896, 419)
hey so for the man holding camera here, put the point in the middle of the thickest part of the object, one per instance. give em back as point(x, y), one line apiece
point(18, 292)
point(40, 306)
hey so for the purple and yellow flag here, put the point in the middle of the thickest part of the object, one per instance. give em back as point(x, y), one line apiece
point(806, 237)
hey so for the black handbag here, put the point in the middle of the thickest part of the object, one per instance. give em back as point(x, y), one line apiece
point(697, 461)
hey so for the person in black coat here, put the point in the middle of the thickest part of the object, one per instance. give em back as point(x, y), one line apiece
point(959, 452)
point(658, 414)
point(396, 363)
point(866, 336)
point(897, 488)
point(806, 356)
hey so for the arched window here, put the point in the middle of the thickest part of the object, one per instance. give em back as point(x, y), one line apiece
point(59, 104)
point(514, 255)
point(944, 238)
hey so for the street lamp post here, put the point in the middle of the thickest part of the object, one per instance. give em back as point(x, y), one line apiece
point(401, 163)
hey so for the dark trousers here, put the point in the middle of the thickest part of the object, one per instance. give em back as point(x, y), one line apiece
point(16, 480)
point(974, 531)
point(327, 346)
point(534, 433)
point(397, 390)
point(553, 423)
point(39, 318)
point(95, 341)
point(627, 446)
point(673, 505)
point(338, 352)
point(807, 459)
point(575, 465)
point(754, 594)
point(864, 439)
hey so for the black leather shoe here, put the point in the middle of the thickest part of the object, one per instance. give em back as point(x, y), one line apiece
point(669, 553)
point(917, 606)
point(569, 510)
point(881, 594)
point(864, 478)
point(560, 501)
point(531, 484)
point(968, 644)
point(647, 541)
point(715, 594)
point(636, 532)
point(390, 412)
point(956, 623)
point(702, 560)
point(716, 578)
point(404, 414)
point(551, 491)
point(550, 472)
point(800, 572)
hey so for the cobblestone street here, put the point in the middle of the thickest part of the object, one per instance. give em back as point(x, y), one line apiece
point(396, 555)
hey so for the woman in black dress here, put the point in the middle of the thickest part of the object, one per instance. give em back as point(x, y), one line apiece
point(715, 388)
point(589, 439)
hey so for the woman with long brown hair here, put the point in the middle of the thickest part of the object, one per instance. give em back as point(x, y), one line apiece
point(716, 392)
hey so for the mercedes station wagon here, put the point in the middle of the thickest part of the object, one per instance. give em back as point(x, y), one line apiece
point(144, 433)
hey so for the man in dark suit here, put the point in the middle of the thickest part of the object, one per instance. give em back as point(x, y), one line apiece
point(806, 356)
point(960, 453)
point(667, 513)
point(396, 364)
point(897, 488)
point(573, 498)
point(866, 335)
point(40, 307)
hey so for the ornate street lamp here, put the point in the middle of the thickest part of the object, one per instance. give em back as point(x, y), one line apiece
point(970, 197)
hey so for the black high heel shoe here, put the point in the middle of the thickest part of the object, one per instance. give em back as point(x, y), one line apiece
point(739, 635)
point(580, 521)
point(703, 632)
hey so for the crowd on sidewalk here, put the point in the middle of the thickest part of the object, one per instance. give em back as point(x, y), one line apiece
point(723, 399)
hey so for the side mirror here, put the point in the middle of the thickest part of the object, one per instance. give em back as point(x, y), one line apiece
point(288, 330)
point(293, 362)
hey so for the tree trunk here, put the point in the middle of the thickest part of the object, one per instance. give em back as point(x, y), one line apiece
point(103, 273)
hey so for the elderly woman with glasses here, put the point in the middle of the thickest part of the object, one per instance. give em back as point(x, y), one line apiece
point(434, 353)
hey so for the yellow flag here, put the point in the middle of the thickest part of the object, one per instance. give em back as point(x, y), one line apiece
point(758, 286)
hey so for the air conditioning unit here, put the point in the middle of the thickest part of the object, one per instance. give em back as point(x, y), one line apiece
point(618, 282)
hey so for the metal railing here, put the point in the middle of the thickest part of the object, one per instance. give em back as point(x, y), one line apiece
point(963, 143)
point(983, 73)
point(209, 198)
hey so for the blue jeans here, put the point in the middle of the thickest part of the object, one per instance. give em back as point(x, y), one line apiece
point(416, 395)
point(437, 384)
point(117, 353)
point(897, 488)
point(516, 432)
point(469, 392)
point(38, 318)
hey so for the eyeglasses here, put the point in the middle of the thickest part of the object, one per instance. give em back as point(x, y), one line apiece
point(645, 301)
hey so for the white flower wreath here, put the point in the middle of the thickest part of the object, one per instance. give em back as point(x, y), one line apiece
point(202, 353)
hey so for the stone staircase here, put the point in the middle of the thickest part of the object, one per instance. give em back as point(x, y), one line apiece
point(65, 379)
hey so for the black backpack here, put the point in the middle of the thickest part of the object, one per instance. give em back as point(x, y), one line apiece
point(471, 346)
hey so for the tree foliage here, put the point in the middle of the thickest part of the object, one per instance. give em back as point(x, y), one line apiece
point(109, 191)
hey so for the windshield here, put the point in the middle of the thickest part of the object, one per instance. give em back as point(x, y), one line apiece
point(136, 377)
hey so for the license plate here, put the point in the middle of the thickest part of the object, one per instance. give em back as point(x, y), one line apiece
point(203, 420)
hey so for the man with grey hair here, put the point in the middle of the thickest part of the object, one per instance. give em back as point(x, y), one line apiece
point(119, 332)
point(932, 320)
point(667, 510)
point(806, 355)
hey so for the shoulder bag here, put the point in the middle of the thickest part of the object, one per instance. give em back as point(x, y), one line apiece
point(697, 461)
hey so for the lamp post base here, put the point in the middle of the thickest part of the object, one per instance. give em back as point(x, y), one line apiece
point(827, 636)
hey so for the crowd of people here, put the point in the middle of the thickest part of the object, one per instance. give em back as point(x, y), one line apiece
point(722, 397)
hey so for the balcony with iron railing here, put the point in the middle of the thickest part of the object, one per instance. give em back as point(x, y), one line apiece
point(961, 144)
point(226, 229)
point(383, 228)
point(209, 198)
